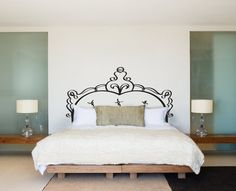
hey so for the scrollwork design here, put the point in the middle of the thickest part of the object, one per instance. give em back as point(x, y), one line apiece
point(91, 103)
point(166, 93)
point(145, 102)
point(119, 84)
point(72, 97)
point(118, 102)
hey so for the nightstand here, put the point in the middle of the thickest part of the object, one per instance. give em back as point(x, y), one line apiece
point(214, 139)
point(19, 139)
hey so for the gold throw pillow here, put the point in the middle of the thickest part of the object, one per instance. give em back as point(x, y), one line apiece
point(123, 115)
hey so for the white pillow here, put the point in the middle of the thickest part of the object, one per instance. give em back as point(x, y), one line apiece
point(84, 116)
point(155, 116)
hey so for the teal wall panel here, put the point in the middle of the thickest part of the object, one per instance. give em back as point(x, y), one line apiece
point(201, 74)
point(23, 75)
point(213, 76)
point(224, 55)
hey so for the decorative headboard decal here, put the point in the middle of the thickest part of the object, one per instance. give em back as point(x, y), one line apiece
point(119, 84)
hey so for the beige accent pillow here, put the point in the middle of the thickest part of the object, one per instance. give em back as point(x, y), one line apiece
point(123, 115)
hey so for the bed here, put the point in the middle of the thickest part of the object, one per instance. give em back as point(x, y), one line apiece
point(131, 136)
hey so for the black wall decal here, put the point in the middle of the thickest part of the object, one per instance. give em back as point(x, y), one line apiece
point(119, 84)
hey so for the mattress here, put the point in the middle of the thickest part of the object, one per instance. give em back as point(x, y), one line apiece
point(118, 145)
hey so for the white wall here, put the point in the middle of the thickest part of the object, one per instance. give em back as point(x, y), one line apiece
point(156, 56)
point(86, 56)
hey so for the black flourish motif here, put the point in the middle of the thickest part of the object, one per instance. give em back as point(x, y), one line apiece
point(119, 84)
point(118, 102)
point(145, 102)
point(91, 103)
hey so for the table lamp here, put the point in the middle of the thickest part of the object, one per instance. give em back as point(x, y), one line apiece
point(27, 107)
point(202, 106)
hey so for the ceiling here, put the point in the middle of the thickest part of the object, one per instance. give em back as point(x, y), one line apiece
point(116, 12)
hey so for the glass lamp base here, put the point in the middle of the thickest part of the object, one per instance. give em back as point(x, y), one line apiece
point(201, 132)
point(27, 131)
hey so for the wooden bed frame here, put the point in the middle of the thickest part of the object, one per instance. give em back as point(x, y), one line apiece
point(119, 85)
point(109, 170)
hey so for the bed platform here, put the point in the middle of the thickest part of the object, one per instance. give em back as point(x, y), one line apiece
point(109, 170)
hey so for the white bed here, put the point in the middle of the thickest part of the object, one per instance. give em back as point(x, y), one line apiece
point(106, 145)
point(141, 142)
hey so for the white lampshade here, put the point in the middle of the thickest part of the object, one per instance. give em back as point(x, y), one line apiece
point(26, 106)
point(202, 106)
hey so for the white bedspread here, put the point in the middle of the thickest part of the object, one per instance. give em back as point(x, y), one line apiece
point(118, 145)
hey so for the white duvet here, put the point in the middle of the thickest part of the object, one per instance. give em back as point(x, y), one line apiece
point(118, 145)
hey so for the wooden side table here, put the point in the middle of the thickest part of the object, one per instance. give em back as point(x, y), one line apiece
point(19, 139)
point(214, 139)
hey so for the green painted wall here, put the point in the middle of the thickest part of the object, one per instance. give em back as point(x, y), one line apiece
point(23, 75)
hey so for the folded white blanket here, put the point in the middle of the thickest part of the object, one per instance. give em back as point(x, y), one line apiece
point(118, 145)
